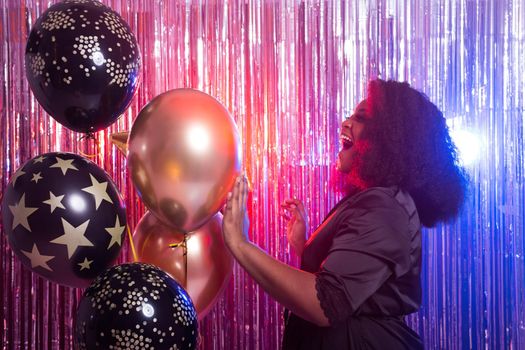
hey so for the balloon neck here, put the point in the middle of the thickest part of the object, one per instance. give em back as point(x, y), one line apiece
point(90, 136)
point(182, 243)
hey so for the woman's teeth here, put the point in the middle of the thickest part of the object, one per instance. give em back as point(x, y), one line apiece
point(346, 142)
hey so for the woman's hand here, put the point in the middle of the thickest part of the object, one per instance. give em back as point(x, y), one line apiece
point(235, 222)
point(294, 288)
point(297, 224)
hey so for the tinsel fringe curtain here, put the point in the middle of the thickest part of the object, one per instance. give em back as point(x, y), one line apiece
point(289, 72)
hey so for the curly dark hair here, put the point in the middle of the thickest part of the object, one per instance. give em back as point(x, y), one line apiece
point(407, 144)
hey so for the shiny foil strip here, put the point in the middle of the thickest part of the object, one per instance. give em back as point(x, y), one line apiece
point(289, 72)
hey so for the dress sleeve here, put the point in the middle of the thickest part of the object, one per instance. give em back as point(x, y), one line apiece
point(370, 245)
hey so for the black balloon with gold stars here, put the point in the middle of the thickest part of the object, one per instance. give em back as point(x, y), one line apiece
point(64, 218)
point(135, 306)
point(82, 64)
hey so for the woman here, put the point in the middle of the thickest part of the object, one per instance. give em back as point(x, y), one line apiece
point(360, 269)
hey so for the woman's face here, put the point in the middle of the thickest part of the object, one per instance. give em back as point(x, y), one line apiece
point(351, 132)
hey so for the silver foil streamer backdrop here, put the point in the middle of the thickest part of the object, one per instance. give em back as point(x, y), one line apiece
point(289, 72)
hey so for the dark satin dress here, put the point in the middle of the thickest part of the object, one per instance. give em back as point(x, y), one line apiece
point(367, 257)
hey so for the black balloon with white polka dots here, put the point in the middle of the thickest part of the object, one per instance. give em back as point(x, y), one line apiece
point(82, 64)
point(136, 306)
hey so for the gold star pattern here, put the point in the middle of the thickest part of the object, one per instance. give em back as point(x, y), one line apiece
point(55, 201)
point(85, 264)
point(98, 190)
point(21, 213)
point(38, 259)
point(39, 159)
point(36, 177)
point(116, 233)
point(64, 165)
point(73, 237)
point(16, 176)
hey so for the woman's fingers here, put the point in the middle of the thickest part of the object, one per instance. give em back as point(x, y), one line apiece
point(290, 209)
point(295, 207)
point(286, 216)
point(299, 205)
point(244, 192)
point(293, 203)
point(300, 213)
point(237, 195)
point(237, 200)
point(229, 202)
point(290, 202)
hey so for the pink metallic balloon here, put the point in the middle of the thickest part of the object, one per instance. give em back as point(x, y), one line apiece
point(184, 155)
point(207, 268)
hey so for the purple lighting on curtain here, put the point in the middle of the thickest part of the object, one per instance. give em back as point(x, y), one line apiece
point(289, 72)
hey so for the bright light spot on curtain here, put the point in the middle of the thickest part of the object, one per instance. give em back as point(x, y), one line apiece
point(468, 145)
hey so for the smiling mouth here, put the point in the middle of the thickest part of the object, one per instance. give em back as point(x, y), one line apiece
point(346, 142)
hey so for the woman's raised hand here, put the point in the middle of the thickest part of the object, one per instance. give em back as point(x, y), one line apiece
point(297, 224)
point(235, 222)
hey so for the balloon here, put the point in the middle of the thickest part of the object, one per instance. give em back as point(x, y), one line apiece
point(135, 306)
point(184, 155)
point(120, 139)
point(82, 63)
point(208, 266)
point(64, 218)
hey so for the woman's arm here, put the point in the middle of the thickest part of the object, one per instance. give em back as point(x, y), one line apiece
point(293, 288)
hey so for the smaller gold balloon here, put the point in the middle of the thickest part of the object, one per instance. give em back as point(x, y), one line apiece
point(207, 268)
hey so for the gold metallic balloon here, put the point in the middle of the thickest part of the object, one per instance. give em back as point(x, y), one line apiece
point(120, 139)
point(184, 154)
point(207, 268)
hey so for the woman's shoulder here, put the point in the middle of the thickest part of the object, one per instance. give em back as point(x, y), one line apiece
point(384, 211)
point(392, 198)
point(373, 196)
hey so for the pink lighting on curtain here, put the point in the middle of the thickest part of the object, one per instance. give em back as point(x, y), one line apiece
point(289, 72)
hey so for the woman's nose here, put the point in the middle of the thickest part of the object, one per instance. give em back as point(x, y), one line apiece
point(347, 124)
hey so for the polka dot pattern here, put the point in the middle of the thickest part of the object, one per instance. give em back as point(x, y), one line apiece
point(58, 20)
point(84, 2)
point(136, 306)
point(37, 64)
point(115, 25)
point(81, 47)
